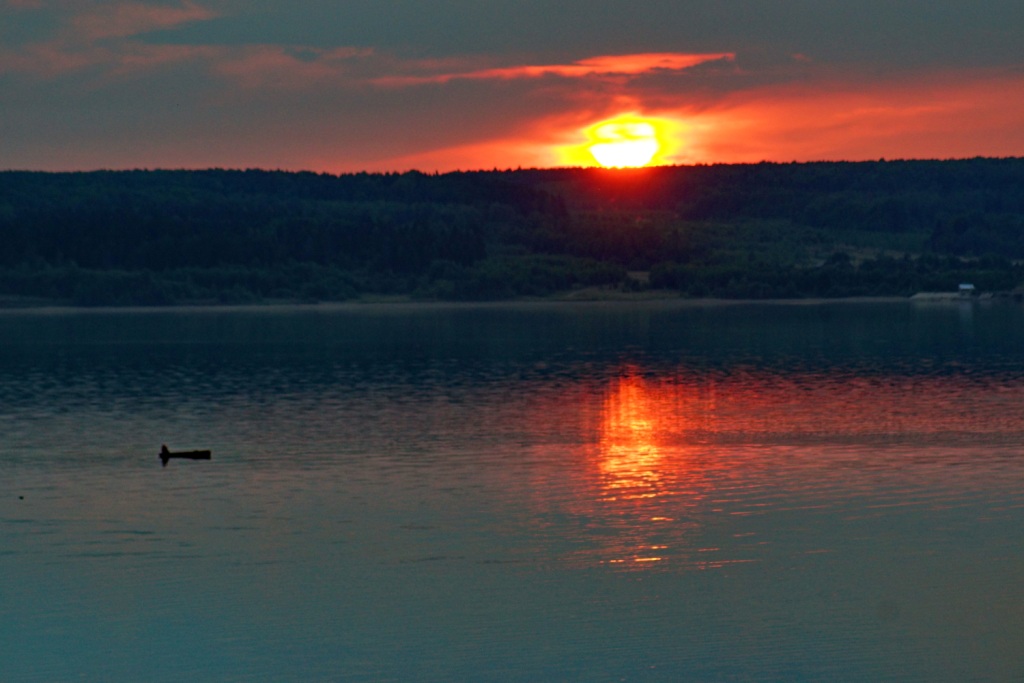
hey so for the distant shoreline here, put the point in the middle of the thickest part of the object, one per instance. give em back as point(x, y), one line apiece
point(579, 298)
point(585, 296)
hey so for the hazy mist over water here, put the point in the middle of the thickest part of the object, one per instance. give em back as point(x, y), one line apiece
point(652, 491)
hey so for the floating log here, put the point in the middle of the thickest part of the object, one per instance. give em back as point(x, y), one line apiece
point(166, 455)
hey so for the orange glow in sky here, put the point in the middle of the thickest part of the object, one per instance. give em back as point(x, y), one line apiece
point(950, 116)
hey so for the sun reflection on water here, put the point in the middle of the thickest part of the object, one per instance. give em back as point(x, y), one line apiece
point(631, 456)
point(645, 476)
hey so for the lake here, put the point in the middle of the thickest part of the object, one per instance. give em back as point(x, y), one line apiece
point(653, 491)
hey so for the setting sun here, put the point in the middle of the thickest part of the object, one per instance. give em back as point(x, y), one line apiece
point(624, 141)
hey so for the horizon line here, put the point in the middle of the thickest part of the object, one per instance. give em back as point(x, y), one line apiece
point(436, 172)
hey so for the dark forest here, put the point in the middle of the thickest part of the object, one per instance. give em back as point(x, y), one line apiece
point(836, 229)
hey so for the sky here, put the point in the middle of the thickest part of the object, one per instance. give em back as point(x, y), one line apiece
point(391, 85)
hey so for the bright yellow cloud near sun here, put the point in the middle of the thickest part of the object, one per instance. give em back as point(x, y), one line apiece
point(624, 141)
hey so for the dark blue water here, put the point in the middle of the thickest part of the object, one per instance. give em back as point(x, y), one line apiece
point(650, 492)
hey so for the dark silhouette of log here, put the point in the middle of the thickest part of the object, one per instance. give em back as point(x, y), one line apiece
point(166, 455)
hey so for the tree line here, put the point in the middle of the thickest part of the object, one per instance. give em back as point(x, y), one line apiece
point(745, 230)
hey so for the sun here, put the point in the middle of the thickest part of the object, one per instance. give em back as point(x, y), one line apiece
point(624, 144)
point(625, 141)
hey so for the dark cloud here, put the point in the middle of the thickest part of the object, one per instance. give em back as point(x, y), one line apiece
point(919, 32)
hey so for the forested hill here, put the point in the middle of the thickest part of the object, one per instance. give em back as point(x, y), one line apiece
point(761, 230)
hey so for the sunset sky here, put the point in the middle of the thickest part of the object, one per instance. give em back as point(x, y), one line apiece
point(392, 85)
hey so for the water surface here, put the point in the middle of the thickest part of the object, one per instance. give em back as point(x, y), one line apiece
point(523, 492)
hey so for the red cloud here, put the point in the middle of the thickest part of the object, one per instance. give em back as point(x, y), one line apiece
point(610, 65)
point(101, 34)
point(54, 59)
point(276, 67)
point(118, 20)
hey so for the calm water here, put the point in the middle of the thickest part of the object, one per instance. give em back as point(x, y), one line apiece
point(644, 492)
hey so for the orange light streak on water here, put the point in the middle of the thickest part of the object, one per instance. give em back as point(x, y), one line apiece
point(630, 453)
point(642, 467)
